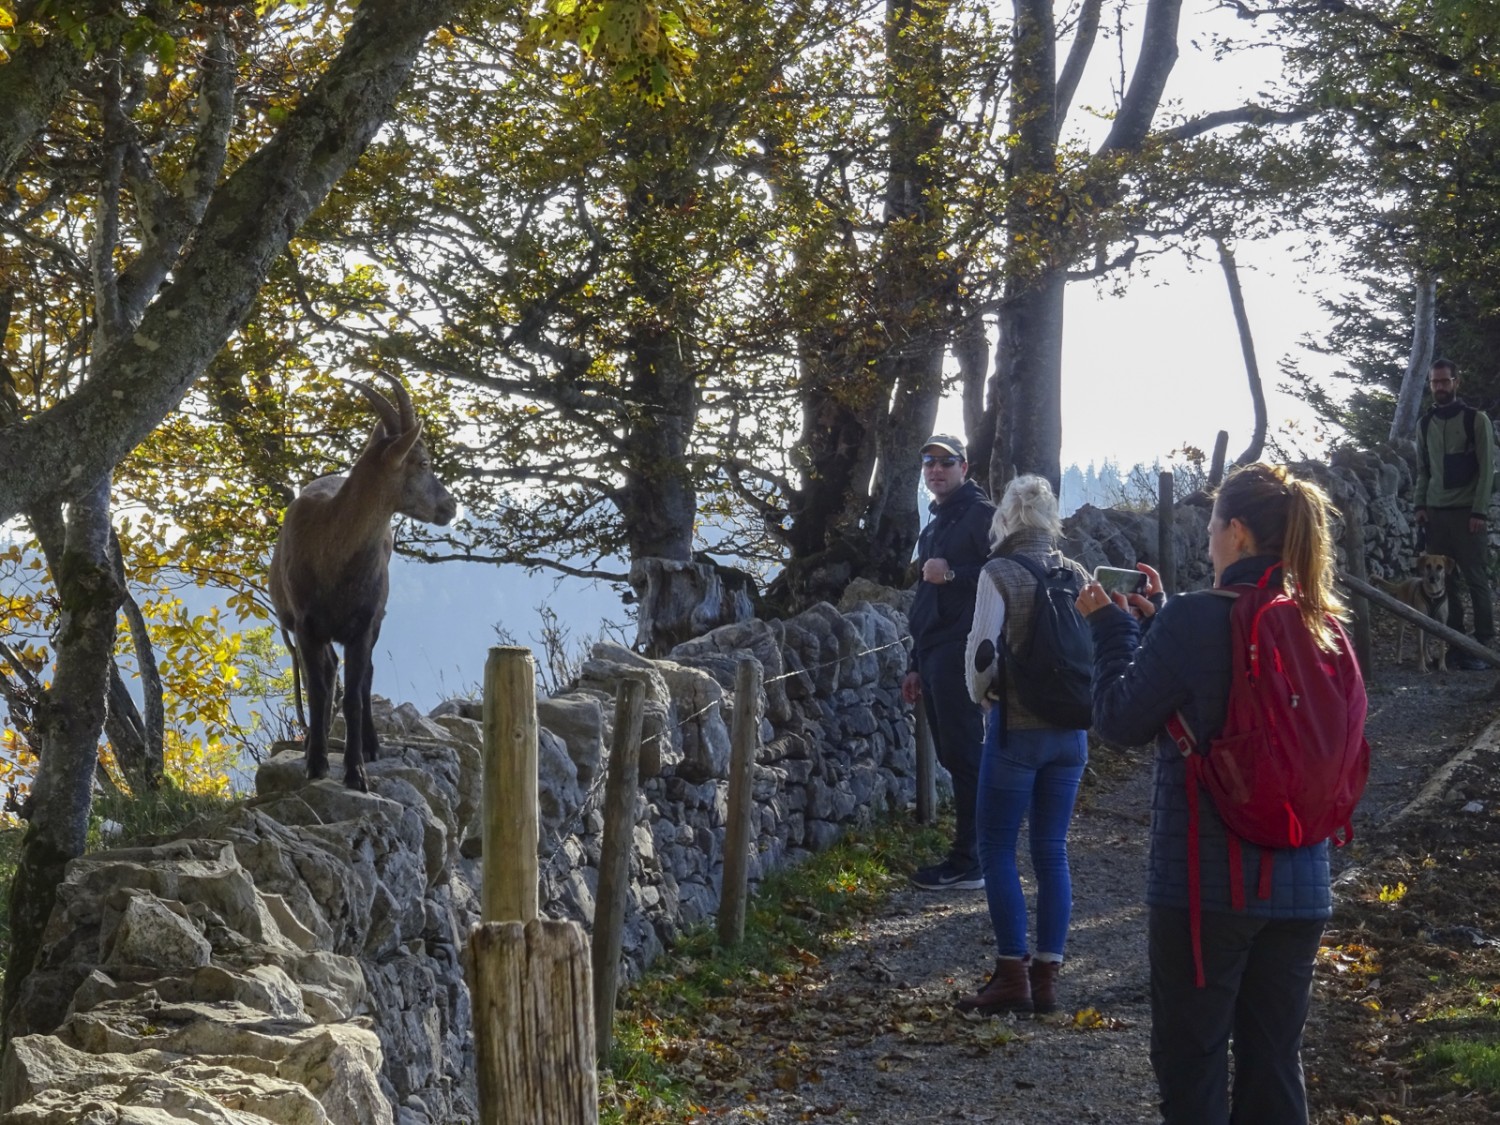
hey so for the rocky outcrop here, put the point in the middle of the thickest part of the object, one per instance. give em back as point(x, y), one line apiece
point(295, 962)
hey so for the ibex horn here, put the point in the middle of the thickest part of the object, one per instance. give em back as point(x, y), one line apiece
point(403, 400)
point(388, 416)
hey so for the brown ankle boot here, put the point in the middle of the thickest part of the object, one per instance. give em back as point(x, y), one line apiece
point(1008, 990)
point(1043, 976)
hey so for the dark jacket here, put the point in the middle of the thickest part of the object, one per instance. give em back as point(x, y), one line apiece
point(959, 531)
point(1184, 663)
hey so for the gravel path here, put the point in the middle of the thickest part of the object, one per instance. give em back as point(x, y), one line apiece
point(872, 1036)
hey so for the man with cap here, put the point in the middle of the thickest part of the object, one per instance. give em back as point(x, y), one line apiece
point(951, 552)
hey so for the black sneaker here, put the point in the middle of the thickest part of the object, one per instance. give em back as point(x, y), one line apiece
point(948, 876)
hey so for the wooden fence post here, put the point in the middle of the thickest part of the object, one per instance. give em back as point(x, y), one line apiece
point(614, 857)
point(926, 768)
point(1166, 524)
point(533, 1023)
point(509, 891)
point(1221, 451)
point(531, 985)
point(744, 738)
point(1354, 558)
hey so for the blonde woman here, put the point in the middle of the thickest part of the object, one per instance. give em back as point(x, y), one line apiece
point(1028, 769)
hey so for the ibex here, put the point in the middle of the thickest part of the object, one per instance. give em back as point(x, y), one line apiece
point(329, 572)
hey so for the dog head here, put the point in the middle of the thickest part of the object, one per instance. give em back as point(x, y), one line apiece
point(1433, 572)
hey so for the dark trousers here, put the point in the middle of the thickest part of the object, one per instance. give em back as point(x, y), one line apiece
point(1259, 982)
point(1448, 534)
point(958, 736)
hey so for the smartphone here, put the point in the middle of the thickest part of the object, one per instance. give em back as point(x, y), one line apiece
point(1118, 580)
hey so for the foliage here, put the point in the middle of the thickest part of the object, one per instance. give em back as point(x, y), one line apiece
point(1413, 117)
point(217, 678)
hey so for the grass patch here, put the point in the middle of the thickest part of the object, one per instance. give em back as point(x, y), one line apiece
point(1472, 1062)
point(119, 820)
point(797, 915)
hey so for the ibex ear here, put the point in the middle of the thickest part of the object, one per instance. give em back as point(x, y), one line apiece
point(377, 435)
point(402, 445)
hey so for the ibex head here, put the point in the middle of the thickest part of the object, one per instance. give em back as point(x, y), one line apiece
point(397, 451)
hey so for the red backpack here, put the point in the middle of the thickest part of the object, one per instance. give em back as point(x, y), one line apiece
point(1290, 764)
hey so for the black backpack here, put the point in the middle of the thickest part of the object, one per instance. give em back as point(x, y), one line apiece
point(1053, 672)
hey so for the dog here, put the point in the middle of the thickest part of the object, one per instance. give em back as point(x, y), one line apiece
point(1427, 593)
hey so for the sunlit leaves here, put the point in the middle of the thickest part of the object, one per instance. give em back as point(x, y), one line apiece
point(645, 48)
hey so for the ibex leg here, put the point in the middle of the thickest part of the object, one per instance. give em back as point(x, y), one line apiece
point(318, 666)
point(356, 707)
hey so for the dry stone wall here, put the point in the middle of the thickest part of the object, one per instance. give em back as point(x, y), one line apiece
point(297, 961)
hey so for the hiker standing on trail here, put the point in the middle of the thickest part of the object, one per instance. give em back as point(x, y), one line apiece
point(1238, 965)
point(950, 553)
point(1030, 766)
point(1455, 476)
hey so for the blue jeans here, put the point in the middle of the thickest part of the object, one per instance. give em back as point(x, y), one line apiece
point(1035, 772)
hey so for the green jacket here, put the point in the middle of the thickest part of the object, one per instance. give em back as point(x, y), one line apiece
point(1469, 478)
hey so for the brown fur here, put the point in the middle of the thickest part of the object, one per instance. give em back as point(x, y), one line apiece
point(329, 578)
point(1427, 593)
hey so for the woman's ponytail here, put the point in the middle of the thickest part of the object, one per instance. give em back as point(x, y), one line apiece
point(1289, 518)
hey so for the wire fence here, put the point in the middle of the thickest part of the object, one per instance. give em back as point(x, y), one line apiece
point(569, 827)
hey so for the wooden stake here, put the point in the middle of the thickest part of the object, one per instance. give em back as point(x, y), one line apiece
point(744, 740)
point(1354, 557)
point(509, 893)
point(1166, 523)
point(614, 857)
point(533, 1023)
point(926, 768)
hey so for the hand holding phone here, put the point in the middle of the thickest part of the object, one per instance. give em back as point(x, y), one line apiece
point(1118, 580)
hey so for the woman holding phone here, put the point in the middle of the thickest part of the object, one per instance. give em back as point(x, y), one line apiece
point(1028, 767)
point(1258, 961)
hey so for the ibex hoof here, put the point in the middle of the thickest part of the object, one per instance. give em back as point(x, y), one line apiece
point(355, 779)
point(317, 768)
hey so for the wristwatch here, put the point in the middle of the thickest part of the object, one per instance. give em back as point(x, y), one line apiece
point(950, 576)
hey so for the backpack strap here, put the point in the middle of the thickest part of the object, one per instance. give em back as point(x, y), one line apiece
point(1180, 733)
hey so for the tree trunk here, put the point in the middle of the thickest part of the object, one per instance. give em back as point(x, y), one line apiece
point(972, 352)
point(1423, 334)
point(1247, 349)
point(1028, 379)
point(872, 396)
point(1046, 228)
point(67, 729)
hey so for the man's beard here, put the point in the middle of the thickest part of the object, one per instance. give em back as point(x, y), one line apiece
point(1442, 398)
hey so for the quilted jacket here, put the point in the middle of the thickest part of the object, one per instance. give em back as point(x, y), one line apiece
point(1183, 662)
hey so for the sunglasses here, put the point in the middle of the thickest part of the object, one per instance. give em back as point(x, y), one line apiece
point(946, 462)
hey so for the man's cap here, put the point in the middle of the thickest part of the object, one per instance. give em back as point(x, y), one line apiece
point(952, 444)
